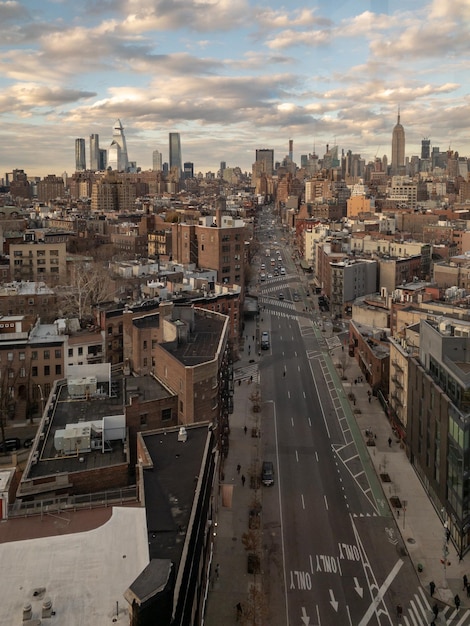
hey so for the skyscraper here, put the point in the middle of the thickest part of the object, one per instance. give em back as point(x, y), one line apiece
point(175, 153)
point(117, 153)
point(266, 156)
point(94, 152)
point(425, 148)
point(80, 161)
point(398, 148)
point(157, 161)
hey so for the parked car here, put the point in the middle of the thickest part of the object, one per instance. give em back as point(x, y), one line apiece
point(264, 340)
point(281, 296)
point(10, 445)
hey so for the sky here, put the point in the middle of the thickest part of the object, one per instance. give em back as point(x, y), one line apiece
point(230, 76)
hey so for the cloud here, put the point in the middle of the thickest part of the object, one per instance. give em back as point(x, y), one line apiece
point(23, 98)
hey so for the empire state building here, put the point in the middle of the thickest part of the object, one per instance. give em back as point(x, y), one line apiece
point(398, 148)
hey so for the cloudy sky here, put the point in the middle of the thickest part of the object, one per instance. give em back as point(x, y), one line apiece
point(230, 76)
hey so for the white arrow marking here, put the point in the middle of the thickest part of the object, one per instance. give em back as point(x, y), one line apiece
point(357, 588)
point(334, 603)
point(305, 617)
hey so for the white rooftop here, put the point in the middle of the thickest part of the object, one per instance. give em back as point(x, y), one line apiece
point(84, 574)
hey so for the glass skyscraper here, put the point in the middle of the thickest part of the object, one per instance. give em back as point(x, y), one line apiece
point(94, 152)
point(175, 153)
point(80, 161)
point(117, 153)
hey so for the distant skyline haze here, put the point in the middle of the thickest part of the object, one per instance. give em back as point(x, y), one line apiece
point(230, 77)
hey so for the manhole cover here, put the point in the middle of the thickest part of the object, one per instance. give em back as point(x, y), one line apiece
point(411, 540)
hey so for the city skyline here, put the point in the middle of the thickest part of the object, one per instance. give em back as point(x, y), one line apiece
point(248, 77)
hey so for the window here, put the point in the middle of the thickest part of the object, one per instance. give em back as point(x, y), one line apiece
point(143, 419)
point(58, 354)
point(34, 370)
point(166, 415)
point(145, 361)
point(47, 354)
point(22, 356)
point(22, 372)
point(58, 369)
point(70, 351)
point(10, 356)
point(110, 330)
point(80, 351)
point(145, 344)
point(47, 370)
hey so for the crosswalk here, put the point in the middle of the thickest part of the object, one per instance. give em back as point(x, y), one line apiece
point(419, 613)
point(248, 373)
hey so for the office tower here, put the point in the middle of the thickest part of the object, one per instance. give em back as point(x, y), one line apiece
point(80, 162)
point(266, 157)
point(188, 170)
point(117, 153)
point(223, 166)
point(175, 153)
point(425, 148)
point(103, 159)
point(291, 150)
point(156, 161)
point(94, 152)
point(398, 148)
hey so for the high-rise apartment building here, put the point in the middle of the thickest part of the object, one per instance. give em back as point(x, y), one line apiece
point(398, 148)
point(175, 153)
point(94, 152)
point(80, 160)
point(157, 161)
point(117, 153)
point(266, 157)
point(425, 148)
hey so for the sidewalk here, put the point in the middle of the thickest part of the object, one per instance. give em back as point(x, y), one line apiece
point(418, 523)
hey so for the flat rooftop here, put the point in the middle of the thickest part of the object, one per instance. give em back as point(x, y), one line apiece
point(170, 487)
point(85, 574)
point(68, 410)
point(202, 343)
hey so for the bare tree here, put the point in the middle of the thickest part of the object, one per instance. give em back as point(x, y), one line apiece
point(91, 284)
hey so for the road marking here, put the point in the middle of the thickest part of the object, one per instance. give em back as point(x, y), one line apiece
point(303, 501)
point(305, 397)
point(380, 594)
point(292, 421)
point(334, 603)
point(288, 394)
point(297, 456)
point(305, 617)
point(316, 455)
point(309, 422)
point(298, 368)
point(349, 616)
point(326, 503)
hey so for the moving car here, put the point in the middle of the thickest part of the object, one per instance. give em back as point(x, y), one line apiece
point(281, 296)
point(267, 473)
point(264, 340)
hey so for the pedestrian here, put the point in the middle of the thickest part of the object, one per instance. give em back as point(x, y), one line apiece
point(457, 601)
point(432, 588)
point(284, 373)
point(399, 610)
point(435, 609)
point(238, 468)
point(243, 480)
point(253, 337)
point(245, 429)
point(251, 379)
point(369, 399)
point(468, 591)
point(217, 570)
point(239, 382)
point(239, 611)
point(389, 442)
point(465, 581)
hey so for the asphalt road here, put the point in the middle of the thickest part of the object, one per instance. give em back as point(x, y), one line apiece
point(332, 553)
